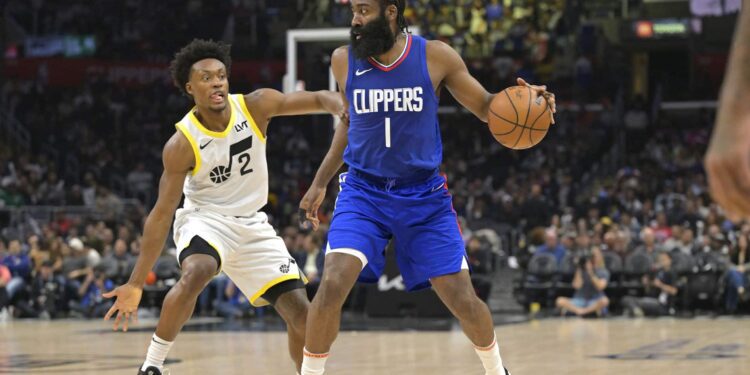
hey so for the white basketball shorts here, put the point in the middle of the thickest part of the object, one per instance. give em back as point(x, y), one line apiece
point(251, 253)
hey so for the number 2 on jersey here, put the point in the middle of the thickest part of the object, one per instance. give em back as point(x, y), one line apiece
point(388, 132)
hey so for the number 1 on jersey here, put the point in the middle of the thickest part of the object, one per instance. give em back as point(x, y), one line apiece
point(388, 132)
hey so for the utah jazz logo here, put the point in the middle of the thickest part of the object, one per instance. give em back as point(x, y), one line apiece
point(222, 173)
point(284, 268)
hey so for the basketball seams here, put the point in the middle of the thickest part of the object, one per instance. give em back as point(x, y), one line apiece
point(512, 105)
point(512, 123)
point(537, 119)
point(516, 111)
point(528, 110)
point(525, 121)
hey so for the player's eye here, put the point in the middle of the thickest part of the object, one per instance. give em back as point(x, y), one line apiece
point(205, 77)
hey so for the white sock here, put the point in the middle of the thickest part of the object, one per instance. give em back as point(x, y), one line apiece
point(490, 356)
point(313, 364)
point(157, 353)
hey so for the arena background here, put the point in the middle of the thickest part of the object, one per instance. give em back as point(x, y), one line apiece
point(86, 104)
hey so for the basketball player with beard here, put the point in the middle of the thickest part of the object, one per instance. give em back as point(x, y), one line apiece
point(217, 159)
point(391, 81)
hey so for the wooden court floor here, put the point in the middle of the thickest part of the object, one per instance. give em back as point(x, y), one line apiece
point(554, 346)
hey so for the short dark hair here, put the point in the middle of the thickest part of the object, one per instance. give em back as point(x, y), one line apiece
point(401, 6)
point(197, 50)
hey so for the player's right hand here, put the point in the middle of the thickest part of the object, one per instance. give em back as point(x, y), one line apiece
point(127, 299)
point(309, 206)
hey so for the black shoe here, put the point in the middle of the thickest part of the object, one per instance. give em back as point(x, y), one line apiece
point(152, 370)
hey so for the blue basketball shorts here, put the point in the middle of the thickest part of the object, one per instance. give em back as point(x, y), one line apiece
point(419, 217)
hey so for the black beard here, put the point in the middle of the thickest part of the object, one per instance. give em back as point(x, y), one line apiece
point(376, 38)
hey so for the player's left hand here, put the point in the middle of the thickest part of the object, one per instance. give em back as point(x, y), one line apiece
point(308, 207)
point(542, 90)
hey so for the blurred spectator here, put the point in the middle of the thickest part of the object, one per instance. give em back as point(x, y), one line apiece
point(736, 279)
point(480, 261)
point(19, 265)
point(119, 264)
point(552, 246)
point(583, 242)
point(661, 289)
point(37, 255)
point(535, 209)
point(140, 182)
point(590, 280)
point(74, 267)
point(47, 295)
point(313, 258)
point(233, 304)
point(5, 278)
point(686, 245)
point(92, 304)
point(649, 246)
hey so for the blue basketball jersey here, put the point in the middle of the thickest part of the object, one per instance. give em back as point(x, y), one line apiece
point(393, 128)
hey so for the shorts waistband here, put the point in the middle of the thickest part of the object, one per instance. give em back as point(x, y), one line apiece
point(387, 183)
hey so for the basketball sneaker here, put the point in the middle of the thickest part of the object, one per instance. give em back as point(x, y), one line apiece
point(152, 370)
point(506, 372)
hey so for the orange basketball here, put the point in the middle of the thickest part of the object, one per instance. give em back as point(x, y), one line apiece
point(151, 278)
point(519, 118)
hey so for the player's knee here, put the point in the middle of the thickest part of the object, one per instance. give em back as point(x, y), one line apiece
point(332, 291)
point(195, 275)
point(468, 306)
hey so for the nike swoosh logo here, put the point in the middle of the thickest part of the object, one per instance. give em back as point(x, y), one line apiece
point(207, 143)
point(360, 72)
point(438, 188)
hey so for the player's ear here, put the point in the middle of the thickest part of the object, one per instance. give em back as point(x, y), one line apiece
point(392, 12)
point(189, 88)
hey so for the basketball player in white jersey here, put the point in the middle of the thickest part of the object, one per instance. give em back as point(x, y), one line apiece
point(217, 159)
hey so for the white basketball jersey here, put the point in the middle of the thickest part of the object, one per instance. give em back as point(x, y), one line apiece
point(230, 175)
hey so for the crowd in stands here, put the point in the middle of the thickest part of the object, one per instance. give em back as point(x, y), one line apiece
point(665, 244)
point(540, 42)
point(602, 187)
point(567, 194)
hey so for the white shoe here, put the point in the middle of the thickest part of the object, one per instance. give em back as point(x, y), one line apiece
point(505, 373)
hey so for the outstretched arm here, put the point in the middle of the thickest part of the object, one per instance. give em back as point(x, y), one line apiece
point(728, 158)
point(275, 103)
point(265, 104)
point(178, 159)
point(463, 86)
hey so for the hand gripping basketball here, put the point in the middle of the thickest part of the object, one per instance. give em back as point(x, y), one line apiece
point(520, 116)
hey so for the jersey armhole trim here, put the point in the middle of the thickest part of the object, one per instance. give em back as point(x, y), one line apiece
point(426, 71)
point(241, 101)
point(181, 127)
